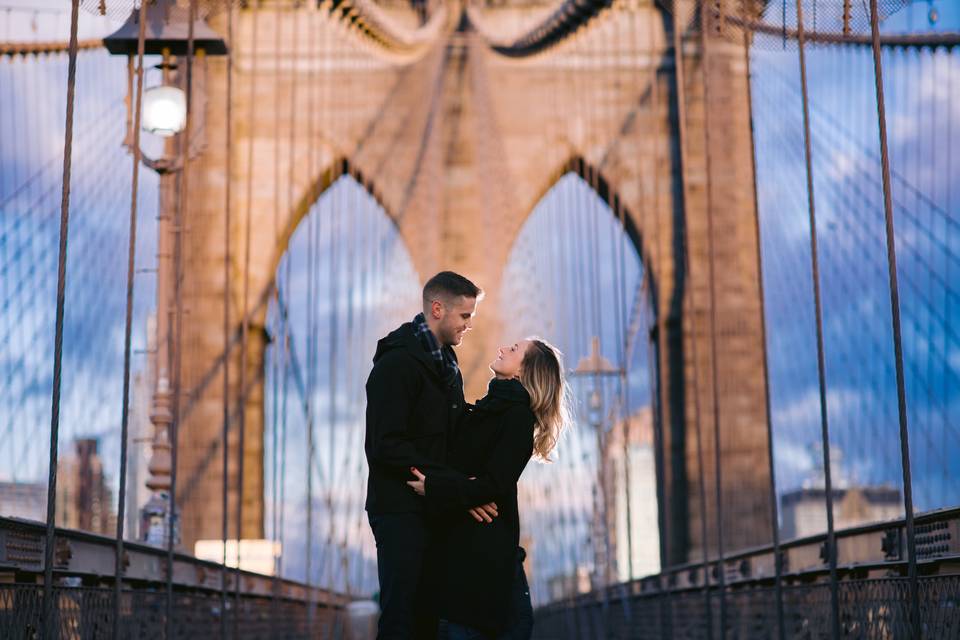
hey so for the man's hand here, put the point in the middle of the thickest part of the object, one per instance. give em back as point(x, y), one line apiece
point(418, 485)
point(485, 512)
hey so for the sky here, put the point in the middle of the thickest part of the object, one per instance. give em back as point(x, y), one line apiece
point(924, 120)
point(858, 341)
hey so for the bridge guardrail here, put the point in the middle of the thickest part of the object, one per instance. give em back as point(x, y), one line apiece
point(84, 570)
point(872, 570)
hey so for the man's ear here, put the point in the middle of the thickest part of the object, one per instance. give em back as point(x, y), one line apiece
point(436, 309)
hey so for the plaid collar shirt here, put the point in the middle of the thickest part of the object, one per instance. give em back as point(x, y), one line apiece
point(442, 356)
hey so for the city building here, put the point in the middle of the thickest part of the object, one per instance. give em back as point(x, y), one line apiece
point(804, 511)
point(84, 499)
point(569, 585)
point(23, 500)
point(140, 435)
point(641, 488)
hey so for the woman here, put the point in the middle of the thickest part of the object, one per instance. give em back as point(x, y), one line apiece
point(484, 590)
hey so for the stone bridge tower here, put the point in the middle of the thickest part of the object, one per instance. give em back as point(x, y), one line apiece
point(458, 141)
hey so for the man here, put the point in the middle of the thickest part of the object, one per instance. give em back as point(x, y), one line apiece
point(414, 400)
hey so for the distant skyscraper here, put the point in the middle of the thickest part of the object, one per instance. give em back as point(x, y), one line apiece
point(140, 436)
point(642, 522)
point(804, 510)
point(84, 500)
point(804, 513)
point(24, 500)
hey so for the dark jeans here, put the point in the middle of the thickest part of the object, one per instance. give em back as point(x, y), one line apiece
point(520, 625)
point(408, 576)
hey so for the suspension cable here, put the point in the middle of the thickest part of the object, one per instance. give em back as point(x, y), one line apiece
point(118, 569)
point(818, 310)
point(227, 337)
point(714, 319)
point(915, 621)
point(48, 596)
point(176, 335)
point(774, 511)
point(245, 319)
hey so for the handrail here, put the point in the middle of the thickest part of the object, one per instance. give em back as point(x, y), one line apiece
point(44, 46)
point(90, 555)
point(864, 550)
point(931, 39)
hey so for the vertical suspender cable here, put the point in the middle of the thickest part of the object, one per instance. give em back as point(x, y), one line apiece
point(228, 204)
point(592, 246)
point(556, 250)
point(681, 101)
point(313, 224)
point(245, 324)
point(774, 512)
point(313, 262)
point(285, 369)
point(577, 237)
point(620, 269)
point(664, 595)
point(314, 233)
point(579, 331)
point(292, 112)
point(335, 229)
point(274, 432)
point(48, 604)
point(566, 210)
point(274, 451)
point(915, 622)
point(654, 340)
point(177, 336)
point(714, 319)
point(821, 367)
point(277, 104)
point(128, 320)
point(947, 275)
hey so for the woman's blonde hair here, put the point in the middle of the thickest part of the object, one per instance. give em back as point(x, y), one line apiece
point(541, 374)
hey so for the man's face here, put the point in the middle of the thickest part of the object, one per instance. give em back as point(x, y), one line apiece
point(455, 318)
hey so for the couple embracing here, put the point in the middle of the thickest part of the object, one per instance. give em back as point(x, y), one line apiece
point(442, 491)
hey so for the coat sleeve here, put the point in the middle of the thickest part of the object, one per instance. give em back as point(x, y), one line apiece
point(391, 395)
point(452, 490)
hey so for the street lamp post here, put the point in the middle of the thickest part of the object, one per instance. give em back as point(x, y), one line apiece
point(164, 114)
point(595, 366)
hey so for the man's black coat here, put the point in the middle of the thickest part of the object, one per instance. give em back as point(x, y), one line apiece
point(411, 412)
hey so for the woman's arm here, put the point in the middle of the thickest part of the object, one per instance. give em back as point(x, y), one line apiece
point(453, 490)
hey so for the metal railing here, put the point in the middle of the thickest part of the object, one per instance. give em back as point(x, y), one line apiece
point(269, 607)
point(874, 595)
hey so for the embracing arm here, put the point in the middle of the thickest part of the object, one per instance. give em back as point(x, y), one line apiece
point(449, 489)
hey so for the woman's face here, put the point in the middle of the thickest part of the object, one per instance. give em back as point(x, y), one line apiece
point(509, 359)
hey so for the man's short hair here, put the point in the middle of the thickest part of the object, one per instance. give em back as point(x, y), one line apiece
point(447, 285)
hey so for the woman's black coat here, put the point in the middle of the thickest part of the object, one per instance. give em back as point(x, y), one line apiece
point(493, 444)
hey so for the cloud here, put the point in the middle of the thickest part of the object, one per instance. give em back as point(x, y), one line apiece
point(799, 411)
point(954, 361)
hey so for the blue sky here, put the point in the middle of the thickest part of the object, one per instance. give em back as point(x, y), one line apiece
point(858, 336)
